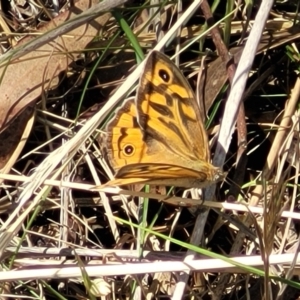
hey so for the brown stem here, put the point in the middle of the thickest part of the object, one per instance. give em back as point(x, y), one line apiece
point(231, 68)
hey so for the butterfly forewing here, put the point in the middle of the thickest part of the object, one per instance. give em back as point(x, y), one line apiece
point(166, 96)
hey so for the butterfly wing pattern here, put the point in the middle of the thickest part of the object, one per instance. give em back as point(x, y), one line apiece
point(160, 138)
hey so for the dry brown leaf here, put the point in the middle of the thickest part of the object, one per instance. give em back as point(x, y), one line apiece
point(25, 78)
point(14, 138)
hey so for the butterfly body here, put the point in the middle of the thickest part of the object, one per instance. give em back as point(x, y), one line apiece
point(160, 138)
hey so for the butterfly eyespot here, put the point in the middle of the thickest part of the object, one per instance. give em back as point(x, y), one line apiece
point(164, 75)
point(128, 150)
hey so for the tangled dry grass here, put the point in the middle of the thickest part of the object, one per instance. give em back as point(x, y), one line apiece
point(61, 238)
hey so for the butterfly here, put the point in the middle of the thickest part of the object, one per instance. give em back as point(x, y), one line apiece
point(159, 138)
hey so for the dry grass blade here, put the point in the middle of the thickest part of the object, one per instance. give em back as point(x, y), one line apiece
point(239, 82)
point(97, 269)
